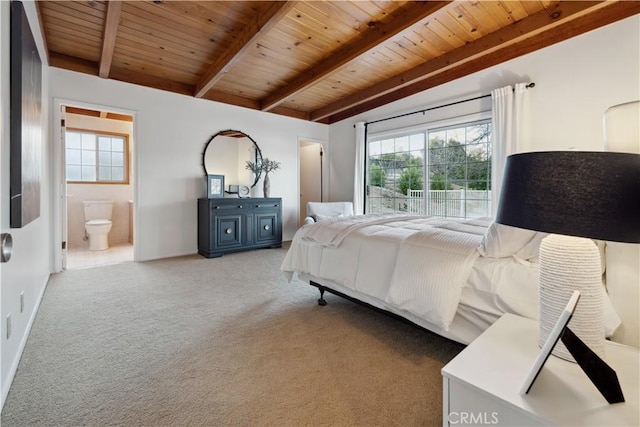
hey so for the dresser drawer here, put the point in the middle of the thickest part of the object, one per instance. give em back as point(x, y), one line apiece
point(265, 204)
point(220, 206)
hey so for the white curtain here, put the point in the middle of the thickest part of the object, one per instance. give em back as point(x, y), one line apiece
point(510, 130)
point(358, 179)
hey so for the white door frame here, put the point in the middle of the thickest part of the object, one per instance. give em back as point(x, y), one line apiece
point(59, 189)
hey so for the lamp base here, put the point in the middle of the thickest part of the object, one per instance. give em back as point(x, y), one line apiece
point(567, 264)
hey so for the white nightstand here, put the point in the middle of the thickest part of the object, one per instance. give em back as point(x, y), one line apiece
point(481, 386)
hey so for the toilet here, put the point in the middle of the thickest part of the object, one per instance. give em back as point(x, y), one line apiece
point(97, 223)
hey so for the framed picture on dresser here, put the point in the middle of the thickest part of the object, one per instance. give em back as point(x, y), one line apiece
point(215, 186)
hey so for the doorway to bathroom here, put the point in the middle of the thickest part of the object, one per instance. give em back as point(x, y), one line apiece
point(98, 176)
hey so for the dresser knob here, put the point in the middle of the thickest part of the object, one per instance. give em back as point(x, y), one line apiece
point(228, 231)
point(266, 227)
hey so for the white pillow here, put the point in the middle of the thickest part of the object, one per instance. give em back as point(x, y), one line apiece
point(502, 241)
point(531, 249)
point(326, 217)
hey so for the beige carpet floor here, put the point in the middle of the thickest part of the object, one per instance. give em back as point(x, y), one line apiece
point(191, 341)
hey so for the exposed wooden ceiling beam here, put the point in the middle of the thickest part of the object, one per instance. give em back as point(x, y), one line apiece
point(147, 80)
point(376, 34)
point(245, 41)
point(109, 39)
point(482, 52)
point(43, 32)
point(67, 62)
point(227, 98)
point(134, 77)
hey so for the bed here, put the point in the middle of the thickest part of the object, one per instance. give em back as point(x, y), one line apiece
point(454, 277)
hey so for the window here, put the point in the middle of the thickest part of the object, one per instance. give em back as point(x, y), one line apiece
point(439, 171)
point(96, 157)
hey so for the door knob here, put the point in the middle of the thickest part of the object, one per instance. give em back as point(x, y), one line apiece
point(7, 247)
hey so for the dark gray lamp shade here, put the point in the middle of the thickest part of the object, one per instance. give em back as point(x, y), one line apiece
point(577, 193)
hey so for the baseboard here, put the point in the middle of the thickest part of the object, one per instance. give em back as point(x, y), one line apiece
point(6, 386)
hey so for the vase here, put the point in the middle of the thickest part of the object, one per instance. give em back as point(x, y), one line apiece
point(266, 186)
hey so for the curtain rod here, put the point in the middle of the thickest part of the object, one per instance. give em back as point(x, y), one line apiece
point(435, 108)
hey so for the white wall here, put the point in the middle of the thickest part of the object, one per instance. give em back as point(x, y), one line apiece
point(171, 131)
point(29, 267)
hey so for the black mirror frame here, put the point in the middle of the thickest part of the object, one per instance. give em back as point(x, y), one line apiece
point(222, 133)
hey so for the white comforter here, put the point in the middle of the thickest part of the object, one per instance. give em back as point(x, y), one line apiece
point(416, 264)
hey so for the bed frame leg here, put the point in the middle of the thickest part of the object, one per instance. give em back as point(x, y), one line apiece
point(321, 300)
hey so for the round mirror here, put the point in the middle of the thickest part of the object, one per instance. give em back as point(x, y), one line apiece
point(227, 153)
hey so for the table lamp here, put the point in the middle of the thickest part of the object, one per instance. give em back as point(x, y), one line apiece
point(576, 196)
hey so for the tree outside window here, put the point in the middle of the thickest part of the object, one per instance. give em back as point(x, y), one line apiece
point(448, 176)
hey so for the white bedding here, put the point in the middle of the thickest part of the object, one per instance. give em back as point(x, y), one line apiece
point(416, 264)
point(454, 277)
point(430, 271)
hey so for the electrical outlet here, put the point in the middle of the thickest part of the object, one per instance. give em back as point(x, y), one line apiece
point(9, 326)
point(21, 301)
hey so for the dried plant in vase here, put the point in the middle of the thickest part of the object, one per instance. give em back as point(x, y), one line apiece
point(256, 167)
point(266, 166)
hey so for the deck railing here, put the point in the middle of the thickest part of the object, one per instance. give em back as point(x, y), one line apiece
point(449, 203)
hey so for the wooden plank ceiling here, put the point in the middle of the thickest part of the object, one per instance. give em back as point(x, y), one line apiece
point(315, 60)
